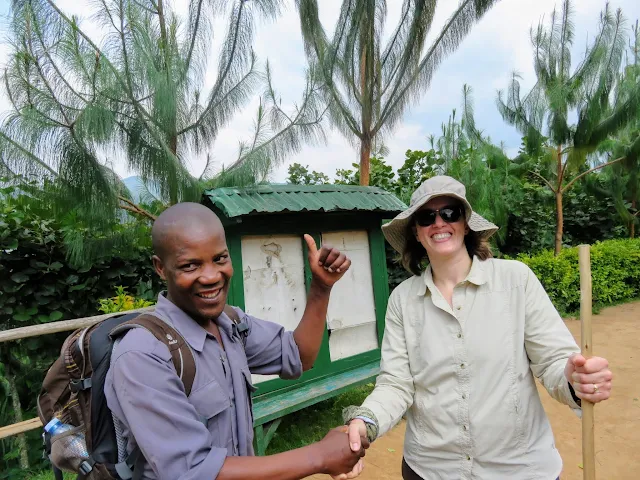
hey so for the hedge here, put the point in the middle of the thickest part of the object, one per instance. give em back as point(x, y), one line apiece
point(615, 272)
point(38, 285)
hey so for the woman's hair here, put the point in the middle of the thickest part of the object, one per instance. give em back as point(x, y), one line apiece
point(414, 253)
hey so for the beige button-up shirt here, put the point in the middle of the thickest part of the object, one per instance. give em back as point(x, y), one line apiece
point(465, 375)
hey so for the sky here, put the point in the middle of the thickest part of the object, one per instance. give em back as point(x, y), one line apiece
point(497, 46)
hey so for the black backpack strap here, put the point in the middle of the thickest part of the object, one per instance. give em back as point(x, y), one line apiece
point(131, 468)
point(241, 326)
point(181, 354)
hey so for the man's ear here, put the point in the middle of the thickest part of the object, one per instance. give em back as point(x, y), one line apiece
point(159, 267)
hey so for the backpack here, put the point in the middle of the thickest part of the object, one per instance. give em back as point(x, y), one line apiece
point(73, 391)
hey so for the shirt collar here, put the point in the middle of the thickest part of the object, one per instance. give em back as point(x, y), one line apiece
point(193, 333)
point(477, 275)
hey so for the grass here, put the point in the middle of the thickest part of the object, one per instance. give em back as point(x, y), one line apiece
point(312, 423)
point(297, 429)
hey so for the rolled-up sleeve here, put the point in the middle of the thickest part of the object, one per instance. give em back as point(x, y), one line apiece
point(394, 389)
point(548, 341)
point(150, 397)
point(271, 350)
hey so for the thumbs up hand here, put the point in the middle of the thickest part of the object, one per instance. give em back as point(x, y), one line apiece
point(328, 264)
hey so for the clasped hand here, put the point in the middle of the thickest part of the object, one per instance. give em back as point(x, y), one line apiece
point(339, 457)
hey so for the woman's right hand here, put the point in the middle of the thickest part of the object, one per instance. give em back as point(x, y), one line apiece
point(357, 430)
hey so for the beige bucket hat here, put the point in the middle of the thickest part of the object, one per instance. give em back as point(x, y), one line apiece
point(438, 186)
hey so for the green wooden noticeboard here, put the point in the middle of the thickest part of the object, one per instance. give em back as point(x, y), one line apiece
point(265, 227)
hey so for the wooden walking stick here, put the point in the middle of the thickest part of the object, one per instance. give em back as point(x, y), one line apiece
point(588, 441)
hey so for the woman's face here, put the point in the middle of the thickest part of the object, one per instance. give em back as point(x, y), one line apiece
point(442, 239)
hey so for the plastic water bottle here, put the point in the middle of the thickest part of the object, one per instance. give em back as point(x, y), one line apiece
point(74, 446)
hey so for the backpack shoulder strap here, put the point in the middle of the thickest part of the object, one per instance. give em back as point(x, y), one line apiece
point(181, 354)
point(232, 314)
point(241, 327)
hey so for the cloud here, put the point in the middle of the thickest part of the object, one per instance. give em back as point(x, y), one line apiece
point(495, 47)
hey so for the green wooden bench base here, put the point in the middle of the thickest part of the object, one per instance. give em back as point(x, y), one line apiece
point(269, 410)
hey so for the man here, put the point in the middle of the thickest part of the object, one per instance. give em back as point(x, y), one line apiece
point(208, 435)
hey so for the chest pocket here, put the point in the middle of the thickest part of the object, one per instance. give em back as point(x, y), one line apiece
point(211, 401)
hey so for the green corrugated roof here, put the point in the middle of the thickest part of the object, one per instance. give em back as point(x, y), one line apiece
point(234, 202)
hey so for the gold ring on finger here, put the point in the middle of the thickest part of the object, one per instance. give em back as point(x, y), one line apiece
point(595, 388)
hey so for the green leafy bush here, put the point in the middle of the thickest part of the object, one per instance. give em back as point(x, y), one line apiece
point(39, 285)
point(122, 302)
point(615, 272)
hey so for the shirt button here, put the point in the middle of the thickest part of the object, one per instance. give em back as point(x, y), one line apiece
point(459, 335)
point(464, 396)
point(464, 427)
point(468, 457)
point(459, 307)
point(462, 365)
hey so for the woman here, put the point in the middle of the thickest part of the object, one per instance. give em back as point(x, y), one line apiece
point(464, 340)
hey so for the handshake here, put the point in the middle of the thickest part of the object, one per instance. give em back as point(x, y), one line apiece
point(341, 450)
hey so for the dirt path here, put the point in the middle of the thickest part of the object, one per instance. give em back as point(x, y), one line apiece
point(616, 336)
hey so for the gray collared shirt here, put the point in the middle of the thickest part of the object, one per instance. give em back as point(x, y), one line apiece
point(189, 437)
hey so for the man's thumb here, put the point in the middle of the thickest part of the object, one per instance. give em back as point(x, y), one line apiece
point(311, 243)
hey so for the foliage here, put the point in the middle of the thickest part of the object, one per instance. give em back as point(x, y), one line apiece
point(418, 166)
point(563, 151)
point(615, 270)
point(518, 206)
point(139, 95)
point(83, 243)
point(590, 216)
point(48, 475)
point(368, 85)
point(38, 285)
point(300, 175)
point(529, 226)
point(622, 181)
point(381, 175)
point(122, 302)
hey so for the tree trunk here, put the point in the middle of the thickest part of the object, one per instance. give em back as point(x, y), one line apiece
point(173, 145)
point(559, 212)
point(365, 161)
point(559, 222)
point(17, 417)
point(173, 140)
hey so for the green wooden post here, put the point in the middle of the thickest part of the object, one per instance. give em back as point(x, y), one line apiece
point(380, 277)
point(258, 440)
point(236, 290)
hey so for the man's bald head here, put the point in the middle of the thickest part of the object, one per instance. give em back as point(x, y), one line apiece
point(192, 257)
point(178, 220)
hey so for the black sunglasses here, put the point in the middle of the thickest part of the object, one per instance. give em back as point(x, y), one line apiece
point(449, 213)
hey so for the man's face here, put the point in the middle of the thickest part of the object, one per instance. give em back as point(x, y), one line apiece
point(197, 268)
